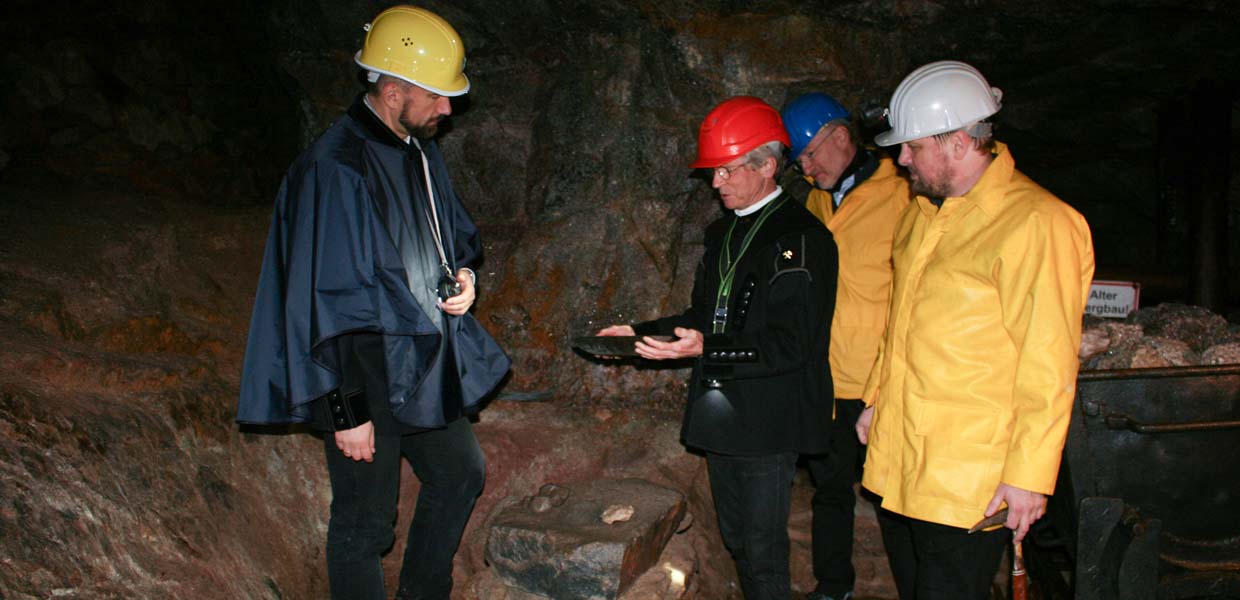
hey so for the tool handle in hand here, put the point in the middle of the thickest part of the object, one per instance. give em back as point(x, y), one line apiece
point(1020, 581)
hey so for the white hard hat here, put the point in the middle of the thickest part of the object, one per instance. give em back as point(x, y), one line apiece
point(937, 98)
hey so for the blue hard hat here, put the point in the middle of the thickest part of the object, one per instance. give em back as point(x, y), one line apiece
point(805, 115)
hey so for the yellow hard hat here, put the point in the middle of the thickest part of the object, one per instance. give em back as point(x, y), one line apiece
point(418, 46)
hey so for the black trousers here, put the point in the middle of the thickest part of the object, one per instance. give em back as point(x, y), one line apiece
point(753, 496)
point(937, 562)
point(835, 501)
point(451, 468)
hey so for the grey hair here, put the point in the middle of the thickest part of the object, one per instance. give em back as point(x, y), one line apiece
point(757, 157)
point(981, 134)
point(854, 132)
point(377, 83)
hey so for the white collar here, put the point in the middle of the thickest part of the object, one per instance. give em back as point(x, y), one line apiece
point(757, 206)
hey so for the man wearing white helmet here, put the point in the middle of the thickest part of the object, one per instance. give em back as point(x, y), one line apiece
point(361, 324)
point(968, 404)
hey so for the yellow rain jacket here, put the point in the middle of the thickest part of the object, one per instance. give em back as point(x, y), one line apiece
point(862, 225)
point(975, 381)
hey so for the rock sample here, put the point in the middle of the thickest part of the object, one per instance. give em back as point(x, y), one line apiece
point(1147, 353)
point(617, 513)
point(1193, 325)
point(1099, 335)
point(1166, 335)
point(568, 551)
point(1222, 354)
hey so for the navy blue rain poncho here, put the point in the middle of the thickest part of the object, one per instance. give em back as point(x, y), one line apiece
point(340, 259)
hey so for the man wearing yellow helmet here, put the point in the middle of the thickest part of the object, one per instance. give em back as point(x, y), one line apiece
point(361, 324)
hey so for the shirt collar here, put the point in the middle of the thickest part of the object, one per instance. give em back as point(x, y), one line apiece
point(863, 165)
point(408, 139)
point(757, 206)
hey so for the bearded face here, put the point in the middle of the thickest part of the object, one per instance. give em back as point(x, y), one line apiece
point(422, 111)
point(929, 169)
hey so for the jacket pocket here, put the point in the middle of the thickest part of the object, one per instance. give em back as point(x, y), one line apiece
point(959, 472)
point(960, 463)
point(973, 424)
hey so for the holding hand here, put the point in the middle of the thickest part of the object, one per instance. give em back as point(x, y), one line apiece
point(687, 345)
point(460, 303)
point(1024, 508)
point(617, 330)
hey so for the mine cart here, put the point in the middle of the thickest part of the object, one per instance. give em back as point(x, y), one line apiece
point(1149, 496)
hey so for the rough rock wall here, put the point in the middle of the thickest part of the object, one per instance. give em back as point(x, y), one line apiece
point(570, 150)
point(601, 222)
point(161, 96)
point(122, 319)
point(139, 137)
point(122, 474)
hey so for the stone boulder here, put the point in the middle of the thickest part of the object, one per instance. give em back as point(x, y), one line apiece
point(591, 543)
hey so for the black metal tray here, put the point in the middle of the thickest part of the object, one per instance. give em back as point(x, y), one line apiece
point(613, 345)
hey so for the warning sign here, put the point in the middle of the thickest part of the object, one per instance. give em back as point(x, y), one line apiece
point(1115, 299)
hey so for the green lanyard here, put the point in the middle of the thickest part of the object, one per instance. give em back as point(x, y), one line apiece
point(727, 266)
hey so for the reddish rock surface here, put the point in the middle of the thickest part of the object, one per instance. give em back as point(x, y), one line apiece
point(145, 140)
point(122, 473)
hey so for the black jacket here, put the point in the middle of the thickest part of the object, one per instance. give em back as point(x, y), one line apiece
point(770, 361)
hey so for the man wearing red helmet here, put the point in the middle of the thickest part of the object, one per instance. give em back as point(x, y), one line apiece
point(759, 326)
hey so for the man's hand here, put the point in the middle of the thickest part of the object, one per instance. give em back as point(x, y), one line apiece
point(358, 443)
point(688, 345)
point(617, 330)
point(1024, 508)
point(863, 424)
point(460, 303)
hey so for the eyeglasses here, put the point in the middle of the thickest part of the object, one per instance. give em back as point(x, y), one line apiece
point(725, 173)
point(808, 153)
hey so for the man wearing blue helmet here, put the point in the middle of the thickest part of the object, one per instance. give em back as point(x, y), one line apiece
point(858, 196)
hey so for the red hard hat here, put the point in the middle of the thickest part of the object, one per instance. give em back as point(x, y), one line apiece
point(735, 127)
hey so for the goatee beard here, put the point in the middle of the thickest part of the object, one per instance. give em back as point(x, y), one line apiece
point(422, 132)
point(930, 190)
